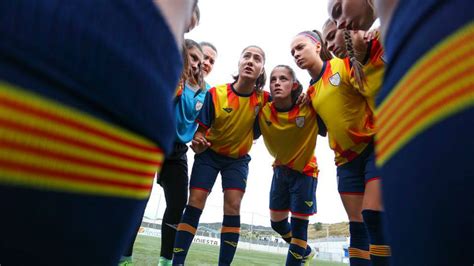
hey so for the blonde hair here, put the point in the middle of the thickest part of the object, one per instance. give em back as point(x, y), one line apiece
point(359, 74)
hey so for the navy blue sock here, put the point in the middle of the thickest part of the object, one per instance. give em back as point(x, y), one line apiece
point(284, 229)
point(185, 233)
point(379, 248)
point(230, 233)
point(297, 250)
point(359, 246)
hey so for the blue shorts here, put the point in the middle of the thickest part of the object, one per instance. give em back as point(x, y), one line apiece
point(352, 176)
point(293, 191)
point(208, 164)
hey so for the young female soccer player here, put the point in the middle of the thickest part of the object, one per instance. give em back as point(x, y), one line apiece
point(425, 126)
point(222, 142)
point(174, 173)
point(289, 132)
point(77, 155)
point(352, 14)
point(370, 54)
point(349, 121)
point(210, 55)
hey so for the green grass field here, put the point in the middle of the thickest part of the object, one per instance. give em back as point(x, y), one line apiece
point(147, 250)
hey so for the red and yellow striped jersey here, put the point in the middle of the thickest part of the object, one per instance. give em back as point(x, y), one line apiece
point(439, 85)
point(290, 137)
point(344, 110)
point(229, 118)
point(46, 145)
point(179, 89)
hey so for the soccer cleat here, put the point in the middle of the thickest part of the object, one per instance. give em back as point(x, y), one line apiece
point(165, 262)
point(307, 259)
point(125, 261)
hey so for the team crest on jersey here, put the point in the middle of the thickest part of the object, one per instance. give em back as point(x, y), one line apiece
point(335, 79)
point(198, 105)
point(227, 109)
point(300, 121)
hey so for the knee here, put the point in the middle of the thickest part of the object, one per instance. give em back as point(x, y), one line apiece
point(355, 217)
point(197, 200)
point(232, 207)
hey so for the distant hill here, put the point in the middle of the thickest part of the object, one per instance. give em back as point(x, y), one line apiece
point(317, 230)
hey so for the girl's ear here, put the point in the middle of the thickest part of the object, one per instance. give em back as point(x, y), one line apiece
point(295, 86)
point(318, 46)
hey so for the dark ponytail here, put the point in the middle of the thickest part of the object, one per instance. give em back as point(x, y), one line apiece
point(359, 74)
point(324, 54)
point(316, 37)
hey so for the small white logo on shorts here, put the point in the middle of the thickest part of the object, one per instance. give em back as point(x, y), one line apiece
point(335, 79)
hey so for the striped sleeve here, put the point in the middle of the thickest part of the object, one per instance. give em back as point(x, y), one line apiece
point(207, 114)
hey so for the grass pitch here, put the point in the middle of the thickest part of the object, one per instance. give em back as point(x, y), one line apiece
point(147, 251)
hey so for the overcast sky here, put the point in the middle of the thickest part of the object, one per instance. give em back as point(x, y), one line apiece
point(271, 24)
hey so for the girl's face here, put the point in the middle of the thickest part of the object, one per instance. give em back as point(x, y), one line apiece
point(351, 14)
point(251, 63)
point(195, 58)
point(304, 51)
point(281, 83)
point(209, 60)
point(334, 39)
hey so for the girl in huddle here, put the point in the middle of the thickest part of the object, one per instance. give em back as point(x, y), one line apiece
point(425, 117)
point(222, 143)
point(174, 172)
point(210, 56)
point(348, 117)
point(77, 150)
point(352, 14)
point(289, 132)
point(351, 45)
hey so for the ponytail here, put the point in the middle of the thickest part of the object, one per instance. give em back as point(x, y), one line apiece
point(359, 74)
point(295, 94)
point(260, 83)
point(324, 54)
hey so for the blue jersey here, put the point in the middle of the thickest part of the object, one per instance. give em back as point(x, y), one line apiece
point(425, 124)
point(188, 106)
point(86, 111)
point(70, 51)
point(208, 86)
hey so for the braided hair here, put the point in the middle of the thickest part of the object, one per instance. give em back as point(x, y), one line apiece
point(359, 74)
